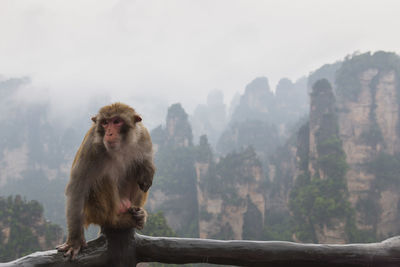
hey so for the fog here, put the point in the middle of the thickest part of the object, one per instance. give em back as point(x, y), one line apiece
point(153, 53)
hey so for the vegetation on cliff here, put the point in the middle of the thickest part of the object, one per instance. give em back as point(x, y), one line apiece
point(319, 198)
point(176, 174)
point(23, 228)
point(156, 225)
point(316, 200)
point(231, 172)
point(383, 160)
point(228, 182)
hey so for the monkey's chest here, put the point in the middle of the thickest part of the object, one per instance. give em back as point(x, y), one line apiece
point(116, 169)
point(111, 186)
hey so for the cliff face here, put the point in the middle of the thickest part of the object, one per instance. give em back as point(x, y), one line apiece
point(369, 127)
point(231, 197)
point(366, 115)
point(318, 198)
point(322, 106)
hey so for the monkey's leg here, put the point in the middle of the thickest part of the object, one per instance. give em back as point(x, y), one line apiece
point(124, 220)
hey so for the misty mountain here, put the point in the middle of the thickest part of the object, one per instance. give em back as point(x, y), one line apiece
point(330, 181)
point(261, 113)
point(35, 154)
point(210, 118)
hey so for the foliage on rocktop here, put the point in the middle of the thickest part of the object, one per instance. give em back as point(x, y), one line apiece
point(347, 76)
point(327, 71)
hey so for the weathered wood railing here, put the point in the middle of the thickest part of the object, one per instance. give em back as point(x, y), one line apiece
point(125, 248)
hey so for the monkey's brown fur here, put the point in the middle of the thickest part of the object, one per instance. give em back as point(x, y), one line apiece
point(102, 176)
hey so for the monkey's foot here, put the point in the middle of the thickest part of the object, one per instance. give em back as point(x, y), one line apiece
point(71, 249)
point(139, 215)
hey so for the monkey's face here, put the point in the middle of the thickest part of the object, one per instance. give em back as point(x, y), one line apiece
point(112, 133)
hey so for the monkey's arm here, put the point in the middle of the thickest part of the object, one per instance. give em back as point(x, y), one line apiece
point(76, 193)
point(144, 168)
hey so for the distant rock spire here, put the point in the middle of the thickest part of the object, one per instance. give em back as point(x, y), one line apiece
point(178, 129)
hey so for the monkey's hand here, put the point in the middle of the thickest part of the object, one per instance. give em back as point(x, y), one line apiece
point(72, 248)
point(139, 215)
point(147, 173)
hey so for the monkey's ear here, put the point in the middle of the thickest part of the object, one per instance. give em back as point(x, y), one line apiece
point(94, 119)
point(137, 118)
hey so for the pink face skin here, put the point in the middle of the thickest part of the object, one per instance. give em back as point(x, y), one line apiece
point(112, 129)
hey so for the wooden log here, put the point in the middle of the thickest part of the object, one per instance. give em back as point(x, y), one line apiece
point(266, 253)
point(124, 248)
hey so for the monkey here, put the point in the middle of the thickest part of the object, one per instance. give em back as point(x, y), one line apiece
point(110, 176)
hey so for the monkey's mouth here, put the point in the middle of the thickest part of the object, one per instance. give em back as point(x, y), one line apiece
point(112, 144)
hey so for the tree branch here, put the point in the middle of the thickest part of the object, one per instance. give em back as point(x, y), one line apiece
point(124, 248)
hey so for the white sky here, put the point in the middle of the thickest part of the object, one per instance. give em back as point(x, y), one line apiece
point(179, 50)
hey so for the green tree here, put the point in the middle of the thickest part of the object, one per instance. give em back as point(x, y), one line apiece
point(156, 225)
point(23, 226)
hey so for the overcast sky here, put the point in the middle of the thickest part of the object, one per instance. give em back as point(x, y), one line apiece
point(178, 50)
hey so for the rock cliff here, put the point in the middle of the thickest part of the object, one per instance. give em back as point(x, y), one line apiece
point(369, 128)
point(174, 190)
point(231, 197)
point(358, 133)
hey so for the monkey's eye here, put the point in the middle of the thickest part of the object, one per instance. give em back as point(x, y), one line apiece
point(117, 121)
point(104, 123)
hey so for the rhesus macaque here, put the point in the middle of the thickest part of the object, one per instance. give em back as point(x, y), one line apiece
point(110, 176)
